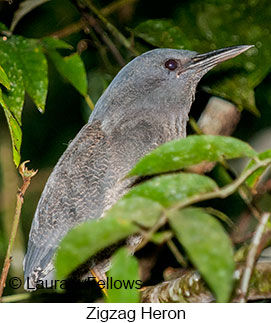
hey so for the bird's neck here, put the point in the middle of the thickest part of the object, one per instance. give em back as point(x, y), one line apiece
point(169, 114)
point(165, 125)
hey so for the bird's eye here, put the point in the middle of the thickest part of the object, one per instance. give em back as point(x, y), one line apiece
point(171, 64)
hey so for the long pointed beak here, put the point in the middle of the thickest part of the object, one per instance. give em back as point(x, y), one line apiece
point(210, 59)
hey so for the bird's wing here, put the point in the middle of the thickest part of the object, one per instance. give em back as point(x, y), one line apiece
point(86, 181)
point(73, 193)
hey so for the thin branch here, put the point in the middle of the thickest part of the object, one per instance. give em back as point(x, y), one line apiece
point(251, 257)
point(220, 117)
point(101, 48)
point(190, 288)
point(80, 25)
point(226, 190)
point(147, 235)
point(242, 230)
point(69, 30)
point(115, 5)
point(195, 127)
point(220, 193)
point(89, 102)
point(114, 31)
point(179, 257)
point(26, 175)
point(247, 195)
point(220, 215)
point(265, 242)
point(94, 24)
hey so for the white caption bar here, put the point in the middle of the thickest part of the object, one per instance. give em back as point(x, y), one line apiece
point(100, 312)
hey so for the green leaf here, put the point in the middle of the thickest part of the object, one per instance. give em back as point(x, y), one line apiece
point(15, 132)
point(24, 8)
point(26, 67)
point(124, 273)
point(14, 98)
point(189, 151)
point(162, 33)
point(88, 238)
point(4, 79)
point(171, 189)
point(72, 68)
point(253, 180)
point(208, 247)
point(54, 43)
point(35, 71)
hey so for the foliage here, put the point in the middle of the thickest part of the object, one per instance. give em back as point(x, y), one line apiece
point(216, 24)
point(125, 269)
point(171, 206)
point(93, 236)
point(21, 57)
point(190, 151)
point(24, 69)
point(201, 235)
point(208, 247)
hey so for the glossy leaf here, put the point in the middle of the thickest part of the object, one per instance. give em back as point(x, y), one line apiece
point(93, 236)
point(208, 247)
point(162, 33)
point(138, 210)
point(72, 68)
point(14, 98)
point(124, 274)
point(4, 79)
point(24, 8)
point(189, 151)
point(15, 132)
point(26, 67)
point(171, 189)
point(35, 71)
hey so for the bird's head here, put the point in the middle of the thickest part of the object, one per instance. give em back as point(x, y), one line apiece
point(161, 81)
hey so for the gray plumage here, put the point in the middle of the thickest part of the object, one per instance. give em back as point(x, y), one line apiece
point(146, 105)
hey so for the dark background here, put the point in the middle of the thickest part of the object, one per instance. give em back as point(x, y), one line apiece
point(45, 136)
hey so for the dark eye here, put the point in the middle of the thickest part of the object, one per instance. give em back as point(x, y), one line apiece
point(171, 64)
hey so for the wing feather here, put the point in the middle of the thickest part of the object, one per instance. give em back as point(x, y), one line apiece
point(72, 194)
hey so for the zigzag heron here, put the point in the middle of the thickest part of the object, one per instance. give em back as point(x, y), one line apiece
point(146, 104)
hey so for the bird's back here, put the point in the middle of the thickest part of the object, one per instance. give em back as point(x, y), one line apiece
point(86, 181)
